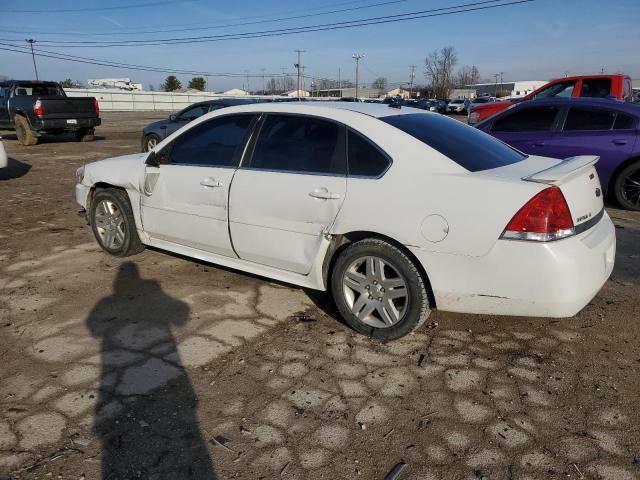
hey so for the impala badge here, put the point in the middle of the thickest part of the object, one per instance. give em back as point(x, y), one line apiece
point(598, 192)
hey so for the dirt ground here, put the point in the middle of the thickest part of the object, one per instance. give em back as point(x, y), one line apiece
point(161, 367)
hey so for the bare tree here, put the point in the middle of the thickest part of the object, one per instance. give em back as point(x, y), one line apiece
point(467, 75)
point(438, 70)
point(380, 84)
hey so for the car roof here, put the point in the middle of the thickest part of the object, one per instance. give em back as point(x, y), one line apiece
point(629, 107)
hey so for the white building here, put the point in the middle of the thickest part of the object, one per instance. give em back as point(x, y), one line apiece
point(513, 89)
point(235, 92)
point(297, 93)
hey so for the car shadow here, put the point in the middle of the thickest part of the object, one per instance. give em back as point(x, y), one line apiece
point(14, 169)
point(146, 411)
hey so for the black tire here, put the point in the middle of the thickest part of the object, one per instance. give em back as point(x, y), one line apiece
point(85, 135)
point(151, 138)
point(417, 309)
point(627, 194)
point(130, 244)
point(23, 131)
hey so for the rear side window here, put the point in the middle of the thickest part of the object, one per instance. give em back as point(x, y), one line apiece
point(587, 119)
point(300, 144)
point(596, 87)
point(624, 122)
point(467, 146)
point(214, 143)
point(538, 119)
point(364, 158)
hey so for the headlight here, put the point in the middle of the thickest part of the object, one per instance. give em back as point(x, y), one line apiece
point(80, 174)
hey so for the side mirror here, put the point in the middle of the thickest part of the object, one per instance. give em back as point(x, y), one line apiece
point(152, 159)
point(172, 117)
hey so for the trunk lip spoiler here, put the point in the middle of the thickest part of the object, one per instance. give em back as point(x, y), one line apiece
point(564, 170)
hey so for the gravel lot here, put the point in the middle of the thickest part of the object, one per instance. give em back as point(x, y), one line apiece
point(161, 367)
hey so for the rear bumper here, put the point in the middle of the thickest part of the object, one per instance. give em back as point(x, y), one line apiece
point(43, 125)
point(555, 279)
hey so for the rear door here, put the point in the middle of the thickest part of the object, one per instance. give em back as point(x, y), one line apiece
point(185, 199)
point(529, 129)
point(290, 192)
point(596, 131)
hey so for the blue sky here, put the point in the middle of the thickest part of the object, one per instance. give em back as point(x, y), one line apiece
point(531, 41)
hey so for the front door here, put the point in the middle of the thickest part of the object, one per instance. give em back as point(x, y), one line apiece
point(290, 191)
point(186, 197)
point(528, 129)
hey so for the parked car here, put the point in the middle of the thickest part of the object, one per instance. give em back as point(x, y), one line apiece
point(458, 105)
point(432, 105)
point(34, 108)
point(155, 132)
point(590, 86)
point(562, 128)
point(439, 214)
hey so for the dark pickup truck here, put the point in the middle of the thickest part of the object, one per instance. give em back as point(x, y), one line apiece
point(34, 108)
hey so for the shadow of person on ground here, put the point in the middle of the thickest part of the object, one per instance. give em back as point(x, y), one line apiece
point(145, 415)
point(14, 169)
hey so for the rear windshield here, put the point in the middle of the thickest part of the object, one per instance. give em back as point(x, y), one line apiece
point(27, 89)
point(467, 146)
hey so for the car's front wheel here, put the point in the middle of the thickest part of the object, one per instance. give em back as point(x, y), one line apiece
point(150, 142)
point(626, 187)
point(379, 290)
point(113, 224)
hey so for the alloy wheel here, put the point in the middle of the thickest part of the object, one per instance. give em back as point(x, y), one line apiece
point(375, 292)
point(631, 188)
point(151, 143)
point(109, 223)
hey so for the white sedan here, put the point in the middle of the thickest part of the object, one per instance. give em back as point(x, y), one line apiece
point(397, 211)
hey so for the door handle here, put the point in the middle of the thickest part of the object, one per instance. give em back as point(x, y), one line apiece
point(619, 141)
point(324, 194)
point(210, 183)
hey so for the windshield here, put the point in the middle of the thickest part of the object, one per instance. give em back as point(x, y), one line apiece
point(467, 146)
point(26, 89)
point(457, 101)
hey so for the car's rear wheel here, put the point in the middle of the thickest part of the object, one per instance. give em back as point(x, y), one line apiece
point(113, 224)
point(626, 187)
point(379, 290)
point(23, 131)
point(150, 142)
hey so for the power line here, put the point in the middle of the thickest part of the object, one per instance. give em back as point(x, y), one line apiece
point(97, 9)
point(437, 12)
point(144, 32)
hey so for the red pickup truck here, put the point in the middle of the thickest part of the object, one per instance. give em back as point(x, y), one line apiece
point(594, 86)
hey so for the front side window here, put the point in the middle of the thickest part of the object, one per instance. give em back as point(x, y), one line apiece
point(193, 113)
point(300, 144)
point(469, 147)
point(539, 119)
point(560, 90)
point(215, 143)
point(596, 87)
point(364, 158)
point(587, 119)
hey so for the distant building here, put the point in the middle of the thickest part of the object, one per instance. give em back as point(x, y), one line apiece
point(117, 83)
point(469, 93)
point(363, 92)
point(397, 92)
point(297, 93)
point(235, 92)
point(512, 89)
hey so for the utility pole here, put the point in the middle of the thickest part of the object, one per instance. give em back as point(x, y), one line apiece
point(495, 89)
point(501, 84)
point(298, 67)
point(357, 57)
point(412, 77)
point(206, 87)
point(340, 82)
point(246, 72)
point(284, 78)
point(31, 41)
point(263, 87)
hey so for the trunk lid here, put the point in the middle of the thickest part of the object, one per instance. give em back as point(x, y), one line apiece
point(575, 176)
point(67, 107)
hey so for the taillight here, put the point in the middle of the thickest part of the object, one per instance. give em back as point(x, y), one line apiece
point(38, 109)
point(96, 105)
point(544, 218)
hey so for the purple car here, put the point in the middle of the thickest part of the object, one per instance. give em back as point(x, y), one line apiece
point(562, 128)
